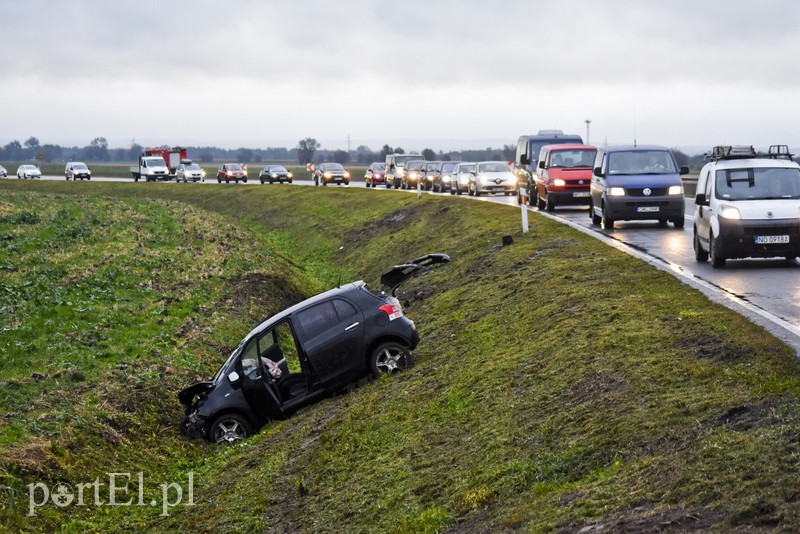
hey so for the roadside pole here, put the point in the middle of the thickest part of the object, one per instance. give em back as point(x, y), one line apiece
point(419, 189)
point(523, 195)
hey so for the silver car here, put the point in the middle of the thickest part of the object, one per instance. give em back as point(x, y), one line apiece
point(77, 169)
point(28, 171)
point(3, 172)
point(459, 182)
point(492, 177)
point(189, 171)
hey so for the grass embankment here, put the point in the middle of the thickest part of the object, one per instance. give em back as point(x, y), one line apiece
point(558, 383)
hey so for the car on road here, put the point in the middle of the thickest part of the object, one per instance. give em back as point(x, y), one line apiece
point(396, 168)
point(3, 172)
point(275, 173)
point(231, 172)
point(375, 174)
point(492, 177)
point(189, 171)
point(413, 173)
point(331, 173)
point(305, 353)
point(462, 174)
point(442, 173)
point(77, 170)
point(563, 176)
point(426, 176)
point(747, 205)
point(28, 171)
point(636, 183)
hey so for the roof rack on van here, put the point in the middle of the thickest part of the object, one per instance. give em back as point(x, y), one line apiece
point(748, 152)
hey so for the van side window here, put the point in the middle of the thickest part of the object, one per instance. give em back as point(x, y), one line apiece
point(707, 185)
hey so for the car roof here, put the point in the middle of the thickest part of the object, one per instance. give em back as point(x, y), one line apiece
point(743, 163)
point(276, 318)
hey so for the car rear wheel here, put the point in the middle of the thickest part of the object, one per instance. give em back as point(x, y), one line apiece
point(390, 357)
point(230, 428)
point(679, 222)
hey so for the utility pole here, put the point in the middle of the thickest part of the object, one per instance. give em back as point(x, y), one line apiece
point(588, 122)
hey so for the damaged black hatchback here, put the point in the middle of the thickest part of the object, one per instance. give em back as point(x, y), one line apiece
point(297, 357)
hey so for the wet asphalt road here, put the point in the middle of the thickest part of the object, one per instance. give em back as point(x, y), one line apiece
point(765, 290)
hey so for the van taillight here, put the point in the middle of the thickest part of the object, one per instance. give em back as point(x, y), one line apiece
point(392, 310)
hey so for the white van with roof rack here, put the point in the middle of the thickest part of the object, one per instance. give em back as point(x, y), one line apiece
point(747, 205)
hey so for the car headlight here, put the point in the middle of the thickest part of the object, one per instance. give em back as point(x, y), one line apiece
point(203, 173)
point(289, 174)
point(327, 175)
point(88, 172)
point(445, 178)
point(729, 212)
point(400, 172)
point(616, 192)
point(675, 190)
point(346, 174)
point(558, 182)
point(274, 175)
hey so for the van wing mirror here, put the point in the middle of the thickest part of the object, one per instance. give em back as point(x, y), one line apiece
point(524, 160)
point(598, 171)
point(684, 170)
point(701, 199)
point(541, 164)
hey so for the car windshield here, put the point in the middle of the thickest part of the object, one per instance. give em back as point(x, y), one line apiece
point(494, 167)
point(234, 167)
point(641, 162)
point(193, 167)
point(401, 161)
point(277, 168)
point(80, 167)
point(333, 167)
point(448, 167)
point(570, 159)
point(379, 167)
point(758, 183)
point(466, 168)
point(28, 168)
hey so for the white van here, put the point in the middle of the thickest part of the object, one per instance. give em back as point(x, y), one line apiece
point(747, 205)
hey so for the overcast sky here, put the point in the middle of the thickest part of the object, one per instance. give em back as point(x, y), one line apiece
point(439, 74)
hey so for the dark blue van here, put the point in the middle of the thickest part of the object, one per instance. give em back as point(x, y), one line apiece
point(636, 183)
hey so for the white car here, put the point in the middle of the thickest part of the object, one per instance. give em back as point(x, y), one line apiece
point(189, 170)
point(28, 171)
point(77, 169)
point(462, 174)
point(492, 177)
point(747, 205)
point(3, 171)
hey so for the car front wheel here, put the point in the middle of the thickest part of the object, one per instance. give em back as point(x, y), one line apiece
point(717, 261)
point(700, 255)
point(390, 357)
point(230, 428)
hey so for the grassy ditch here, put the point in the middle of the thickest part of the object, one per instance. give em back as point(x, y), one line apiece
point(558, 383)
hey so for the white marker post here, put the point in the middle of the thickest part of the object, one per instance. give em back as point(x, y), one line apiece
point(419, 188)
point(523, 195)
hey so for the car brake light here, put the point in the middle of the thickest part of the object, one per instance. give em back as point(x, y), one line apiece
point(394, 311)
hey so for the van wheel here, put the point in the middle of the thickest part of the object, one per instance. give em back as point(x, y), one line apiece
point(539, 202)
point(606, 222)
point(230, 428)
point(390, 357)
point(679, 222)
point(717, 261)
point(550, 205)
point(700, 255)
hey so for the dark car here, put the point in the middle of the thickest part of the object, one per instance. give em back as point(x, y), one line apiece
point(331, 173)
point(413, 172)
point(231, 171)
point(442, 173)
point(275, 173)
point(376, 174)
point(303, 354)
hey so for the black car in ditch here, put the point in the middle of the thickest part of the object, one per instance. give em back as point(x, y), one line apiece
point(303, 354)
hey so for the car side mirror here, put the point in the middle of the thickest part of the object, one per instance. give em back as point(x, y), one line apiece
point(684, 170)
point(598, 171)
point(541, 164)
point(233, 377)
point(525, 160)
point(701, 199)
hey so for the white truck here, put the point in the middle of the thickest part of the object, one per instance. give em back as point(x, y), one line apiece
point(151, 168)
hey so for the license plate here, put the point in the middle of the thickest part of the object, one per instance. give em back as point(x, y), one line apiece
point(647, 209)
point(581, 194)
point(771, 239)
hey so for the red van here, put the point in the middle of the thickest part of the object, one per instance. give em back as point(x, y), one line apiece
point(563, 176)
